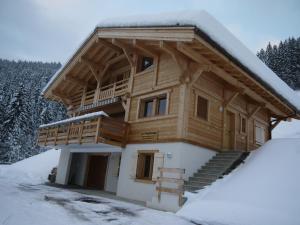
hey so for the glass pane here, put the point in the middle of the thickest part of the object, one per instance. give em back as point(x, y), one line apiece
point(147, 166)
point(146, 62)
point(202, 108)
point(162, 104)
point(148, 108)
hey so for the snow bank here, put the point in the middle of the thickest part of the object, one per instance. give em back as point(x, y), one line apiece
point(32, 170)
point(264, 190)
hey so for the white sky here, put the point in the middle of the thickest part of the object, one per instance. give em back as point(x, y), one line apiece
point(50, 30)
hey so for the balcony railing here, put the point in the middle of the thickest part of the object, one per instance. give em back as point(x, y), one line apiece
point(84, 130)
point(96, 97)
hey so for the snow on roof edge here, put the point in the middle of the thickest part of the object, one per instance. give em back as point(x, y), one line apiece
point(74, 119)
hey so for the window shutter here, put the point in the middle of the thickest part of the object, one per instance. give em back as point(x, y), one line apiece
point(134, 159)
point(158, 163)
point(117, 159)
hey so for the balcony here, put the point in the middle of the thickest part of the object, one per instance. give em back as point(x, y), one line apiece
point(104, 95)
point(93, 128)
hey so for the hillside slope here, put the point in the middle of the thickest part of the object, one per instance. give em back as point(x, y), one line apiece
point(264, 190)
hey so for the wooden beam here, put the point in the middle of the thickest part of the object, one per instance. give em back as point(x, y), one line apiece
point(181, 60)
point(65, 99)
point(109, 45)
point(78, 82)
point(92, 66)
point(232, 97)
point(273, 125)
point(255, 110)
point(141, 47)
point(126, 49)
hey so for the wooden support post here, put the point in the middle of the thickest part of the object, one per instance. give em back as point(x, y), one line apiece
point(98, 129)
point(45, 143)
point(56, 133)
point(81, 132)
point(68, 134)
point(156, 68)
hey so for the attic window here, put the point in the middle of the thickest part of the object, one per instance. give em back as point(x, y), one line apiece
point(145, 62)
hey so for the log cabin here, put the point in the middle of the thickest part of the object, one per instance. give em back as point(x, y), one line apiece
point(165, 91)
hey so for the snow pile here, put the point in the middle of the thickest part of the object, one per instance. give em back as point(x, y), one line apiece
point(32, 170)
point(75, 118)
point(264, 190)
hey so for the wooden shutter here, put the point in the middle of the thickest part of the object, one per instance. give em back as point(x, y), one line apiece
point(133, 162)
point(158, 163)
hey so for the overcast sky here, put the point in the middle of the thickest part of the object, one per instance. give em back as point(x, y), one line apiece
point(50, 30)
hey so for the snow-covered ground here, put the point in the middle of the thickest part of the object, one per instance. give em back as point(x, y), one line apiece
point(263, 191)
point(24, 200)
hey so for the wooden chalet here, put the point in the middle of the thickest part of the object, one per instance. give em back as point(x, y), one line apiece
point(163, 83)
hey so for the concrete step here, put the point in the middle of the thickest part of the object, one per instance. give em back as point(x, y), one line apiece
point(198, 184)
point(202, 179)
point(192, 188)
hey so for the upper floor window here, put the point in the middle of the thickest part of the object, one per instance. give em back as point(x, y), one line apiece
point(202, 108)
point(144, 63)
point(153, 106)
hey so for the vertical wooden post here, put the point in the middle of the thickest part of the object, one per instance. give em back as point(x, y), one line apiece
point(155, 77)
point(97, 92)
point(68, 133)
point(45, 143)
point(83, 97)
point(81, 132)
point(98, 129)
point(56, 133)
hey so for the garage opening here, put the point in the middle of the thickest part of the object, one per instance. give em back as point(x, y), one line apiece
point(96, 174)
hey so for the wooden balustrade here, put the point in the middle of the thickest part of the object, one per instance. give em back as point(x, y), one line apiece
point(80, 101)
point(96, 130)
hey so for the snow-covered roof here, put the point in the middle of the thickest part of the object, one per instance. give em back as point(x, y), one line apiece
point(75, 119)
point(218, 35)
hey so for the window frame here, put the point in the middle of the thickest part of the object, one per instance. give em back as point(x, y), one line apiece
point(154, 113)
point(197, 95)
point(139, 171)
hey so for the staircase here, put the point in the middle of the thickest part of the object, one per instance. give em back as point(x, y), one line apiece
point(221, 164)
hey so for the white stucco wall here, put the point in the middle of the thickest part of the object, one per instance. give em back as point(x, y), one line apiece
point(63, 167)
point(111, 173)
point(176, 155)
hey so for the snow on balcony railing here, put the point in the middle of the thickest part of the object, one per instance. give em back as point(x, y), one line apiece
point(75, 119)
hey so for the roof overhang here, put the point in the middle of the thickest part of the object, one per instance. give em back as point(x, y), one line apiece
point(174, 33)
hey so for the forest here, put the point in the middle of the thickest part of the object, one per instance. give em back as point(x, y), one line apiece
point(23, 109)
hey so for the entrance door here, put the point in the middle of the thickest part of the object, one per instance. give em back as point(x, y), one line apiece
point(229, 131)
point(97, 171)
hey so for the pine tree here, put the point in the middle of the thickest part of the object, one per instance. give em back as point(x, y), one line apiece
point(284, 60)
